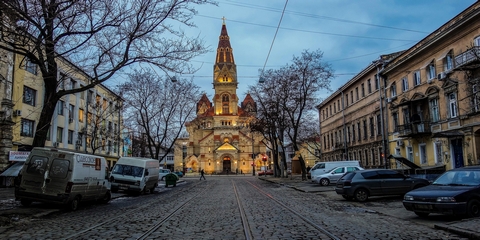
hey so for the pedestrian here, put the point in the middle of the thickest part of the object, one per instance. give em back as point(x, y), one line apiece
point(202, 175)
point(241, 171)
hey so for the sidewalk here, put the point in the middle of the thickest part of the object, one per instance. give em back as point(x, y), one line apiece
point(467, 227)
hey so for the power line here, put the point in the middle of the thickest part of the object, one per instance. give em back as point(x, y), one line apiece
point(271, 46)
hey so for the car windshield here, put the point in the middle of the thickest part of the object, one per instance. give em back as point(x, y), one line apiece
point(128, 170)
point(459, 178)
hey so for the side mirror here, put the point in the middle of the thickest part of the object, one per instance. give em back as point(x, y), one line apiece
point(146, 172)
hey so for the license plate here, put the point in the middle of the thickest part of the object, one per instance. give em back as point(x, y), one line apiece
point(418, 206)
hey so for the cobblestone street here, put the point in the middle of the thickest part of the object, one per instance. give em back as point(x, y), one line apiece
point(233, 207)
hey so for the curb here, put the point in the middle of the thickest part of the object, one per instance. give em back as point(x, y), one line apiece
point(462, 232)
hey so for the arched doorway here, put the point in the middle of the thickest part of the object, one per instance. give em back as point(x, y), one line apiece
point(227, 164)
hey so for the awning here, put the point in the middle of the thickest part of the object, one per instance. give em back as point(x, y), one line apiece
point(449, 134)
point(13, 170)
point(405, 161)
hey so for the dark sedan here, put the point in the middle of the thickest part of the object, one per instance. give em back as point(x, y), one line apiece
point(456, 192)
point(362, 184)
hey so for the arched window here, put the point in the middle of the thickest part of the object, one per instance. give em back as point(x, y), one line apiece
point(225, 98)
point(225, 109)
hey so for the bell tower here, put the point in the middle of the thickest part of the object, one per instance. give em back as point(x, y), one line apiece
point(225, 77)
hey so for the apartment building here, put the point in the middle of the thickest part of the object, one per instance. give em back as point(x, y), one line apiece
point(434, 99)
point(89, 121)
point(351, 119)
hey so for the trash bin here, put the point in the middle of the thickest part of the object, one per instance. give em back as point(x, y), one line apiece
point(171, 179)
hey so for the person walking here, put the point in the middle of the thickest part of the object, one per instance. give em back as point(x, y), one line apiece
point(202, 175)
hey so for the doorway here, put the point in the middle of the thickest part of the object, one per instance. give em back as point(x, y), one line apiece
point(457, 153)
point(227, 164)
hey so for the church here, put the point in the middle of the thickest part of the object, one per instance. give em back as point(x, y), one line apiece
point(219, 138)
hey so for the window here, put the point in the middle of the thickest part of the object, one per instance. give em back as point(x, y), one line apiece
point(346, 99)
point(72, 83)
point(379, 125)
point(410, 153)
point(448, 62)
point(423, 153)
point(377, 82)
point(438, 152)
point(359, 131)
point(406, 116)
point(27, 128)
point(404, 84)
point(353, 133)
point(372, 129)
point(334, 108)
point(338, 105)
point(59, 134)
point(416, 78)
point(71, 112)
point(476, 41)
point(395, 121)
point(70, 136)
point(30, 67)
point(365, 134)
point(351, 97)
point(80, 115)
point(369, 86)
point(60, 105)
point(225, 109)
point(356, 93)
point(476, 97)
point(330, 107)
point(452, 105)
point(431, 71)
point(29, 95)
point(363, 90)
point(225, 98)
point(393, 90)
point(434, 111)
point(348, 134)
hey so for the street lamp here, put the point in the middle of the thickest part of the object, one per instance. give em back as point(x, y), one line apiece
point(184, 155)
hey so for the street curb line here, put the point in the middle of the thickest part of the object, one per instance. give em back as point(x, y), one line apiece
point(462, 232)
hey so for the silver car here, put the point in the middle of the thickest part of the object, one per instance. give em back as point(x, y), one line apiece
point(333, 175)
point(162, 173)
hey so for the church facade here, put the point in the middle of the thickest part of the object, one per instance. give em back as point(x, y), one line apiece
point(219, 138)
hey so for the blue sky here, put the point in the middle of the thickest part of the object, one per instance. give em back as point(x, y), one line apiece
point(350, 33)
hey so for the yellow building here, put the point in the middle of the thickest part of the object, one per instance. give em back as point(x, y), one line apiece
point(220, 140)
point(92, 116)
point(434, 99)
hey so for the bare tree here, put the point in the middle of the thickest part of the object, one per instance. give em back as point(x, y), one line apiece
point(101, 37)
point(99, 130)
point(291, 93)
point(158, 109)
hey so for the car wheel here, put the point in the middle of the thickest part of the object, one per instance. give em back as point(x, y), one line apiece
point(422, 214)
point(107, 197)
point(473, 208)
point(324, 182)
point(26, 202)
point(361, 195)
point(74, 203)
point(349, 198)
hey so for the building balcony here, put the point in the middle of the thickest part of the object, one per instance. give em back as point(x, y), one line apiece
point(468, 59)
point(414, 129)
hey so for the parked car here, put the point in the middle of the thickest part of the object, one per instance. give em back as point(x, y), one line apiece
point(267, 172)
point(162, 173)
point(333, 175)
point(456, 192)
point(179, 173)
point(362, 184)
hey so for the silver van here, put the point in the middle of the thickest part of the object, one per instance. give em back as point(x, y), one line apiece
point(57, 176)
point(322, 167)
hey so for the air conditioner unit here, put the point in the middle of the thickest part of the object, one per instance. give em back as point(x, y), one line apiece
point(399, 143)
point(441, 76)
point(17, 113)
point(56, 144)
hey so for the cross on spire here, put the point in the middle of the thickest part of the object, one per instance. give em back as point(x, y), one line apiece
point(223, 18)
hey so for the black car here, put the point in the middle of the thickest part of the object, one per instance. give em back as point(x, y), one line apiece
point(362, 184)
point(456, 192)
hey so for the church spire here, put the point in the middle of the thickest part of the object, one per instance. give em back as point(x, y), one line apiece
point(224, 50)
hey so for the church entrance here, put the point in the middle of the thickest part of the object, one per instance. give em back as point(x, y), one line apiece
point(227, 165)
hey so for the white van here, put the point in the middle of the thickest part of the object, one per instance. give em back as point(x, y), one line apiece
point(56, 176)
point(135, 174)
point(323, 167)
